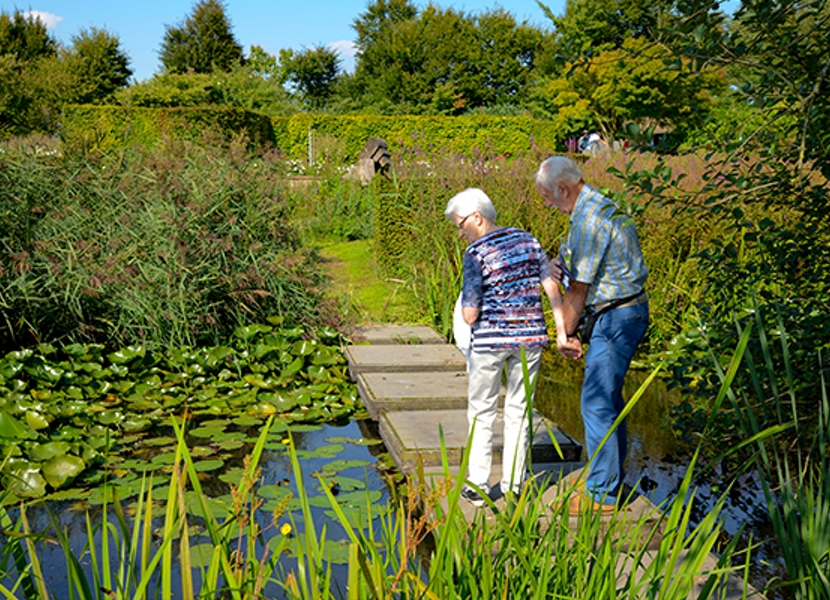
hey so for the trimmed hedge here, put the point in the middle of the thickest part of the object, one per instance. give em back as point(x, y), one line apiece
point(462, 135)
point(106, 127)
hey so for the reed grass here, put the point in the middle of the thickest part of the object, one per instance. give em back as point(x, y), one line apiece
point(167, 247)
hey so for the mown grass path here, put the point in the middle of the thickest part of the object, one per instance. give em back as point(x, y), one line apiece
point(364, 294)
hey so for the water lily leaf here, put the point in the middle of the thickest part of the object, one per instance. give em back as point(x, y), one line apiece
point(110, 417)
point(259, 382)
point(11, 427)
point(62, 469)
point(303, 347)
point(326, 355)
point(341, 465)
point(230, 444)
point(46, 451)
point(160, 441)
point(10, 369)
point(35, 420)
point(317, 372)
point(304, 428)
point(232, 476)
point(293, 368)
point(346, 484)
point(136, 424)
point(27, 483)
point(247, 421)
point(201, 451)
point(262, 408)
point(206, 432)
point(285, 402)
point(249, 332)
point(274, 492)
point(201, 555)
point(126, 355)
point(208, 465)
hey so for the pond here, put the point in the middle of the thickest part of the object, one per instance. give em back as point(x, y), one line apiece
point(353, 464)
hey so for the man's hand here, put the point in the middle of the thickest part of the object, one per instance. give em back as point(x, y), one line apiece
point(555, 269)
point(571, 347)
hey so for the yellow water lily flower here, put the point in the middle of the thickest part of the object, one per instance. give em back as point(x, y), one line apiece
point(286, 529)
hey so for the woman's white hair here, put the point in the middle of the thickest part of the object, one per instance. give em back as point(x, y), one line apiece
point(557, 169)
point(469, 201)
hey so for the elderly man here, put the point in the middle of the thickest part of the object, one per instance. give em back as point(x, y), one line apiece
point(501, 299)
point(605, 273)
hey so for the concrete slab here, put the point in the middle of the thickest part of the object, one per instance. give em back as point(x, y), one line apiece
point(414, 391)
point(396, 334)
point(412, 433)
point(401, 358)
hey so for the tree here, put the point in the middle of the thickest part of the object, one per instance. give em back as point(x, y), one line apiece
point(25, 37)
point(202, 43)
point(314, 72)
point(635, 83)
point(589, 26)
point(441, 61)
point(98, 65)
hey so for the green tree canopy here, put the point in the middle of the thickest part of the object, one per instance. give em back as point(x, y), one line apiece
point(589, 26)
point(314, 72)
point(202, 43)
point(98, 65)
point(637, 82)
point(441, 61)
point(25, 37)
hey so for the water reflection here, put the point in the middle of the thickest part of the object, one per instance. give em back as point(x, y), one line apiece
point(557, 397)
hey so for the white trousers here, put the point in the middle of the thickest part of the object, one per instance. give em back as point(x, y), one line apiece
point(485, 377)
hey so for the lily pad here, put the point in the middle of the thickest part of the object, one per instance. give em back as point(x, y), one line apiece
point(231, 444)
point(208, 465)
point(27, 483)
point(201, 555)
point(48, 450)
point(62, 469)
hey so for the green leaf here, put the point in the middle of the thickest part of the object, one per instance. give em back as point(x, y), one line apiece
point(11, 427)
point(46, 451)
point(62, 469)
point(126, 355)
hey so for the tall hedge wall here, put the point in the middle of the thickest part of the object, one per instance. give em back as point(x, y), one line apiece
point(107, 127)
point(502, 135)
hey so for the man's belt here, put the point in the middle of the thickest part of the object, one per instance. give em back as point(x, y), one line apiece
point(638, 298)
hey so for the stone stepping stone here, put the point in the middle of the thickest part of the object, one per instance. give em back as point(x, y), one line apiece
point(408, 433)
point(396, 334)
point(400, 358)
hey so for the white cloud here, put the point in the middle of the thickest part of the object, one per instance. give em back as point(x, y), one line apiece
point(346, 49)
point(51, 21)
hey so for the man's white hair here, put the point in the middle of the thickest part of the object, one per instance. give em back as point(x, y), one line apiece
point(557, 169)
point(469, 201)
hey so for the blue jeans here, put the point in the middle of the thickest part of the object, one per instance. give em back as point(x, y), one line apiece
point(613, 343)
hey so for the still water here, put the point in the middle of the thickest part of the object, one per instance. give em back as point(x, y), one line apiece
point(340, 452)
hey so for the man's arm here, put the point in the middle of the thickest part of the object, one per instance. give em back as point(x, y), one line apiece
point(573, 305)
point(569, 346)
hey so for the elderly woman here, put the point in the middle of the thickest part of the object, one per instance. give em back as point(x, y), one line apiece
point(504, 271)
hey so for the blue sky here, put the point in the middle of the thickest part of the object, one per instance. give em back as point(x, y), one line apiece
point(272, 24)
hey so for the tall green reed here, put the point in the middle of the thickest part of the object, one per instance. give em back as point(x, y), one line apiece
point(789, 441)
point(173, 246)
